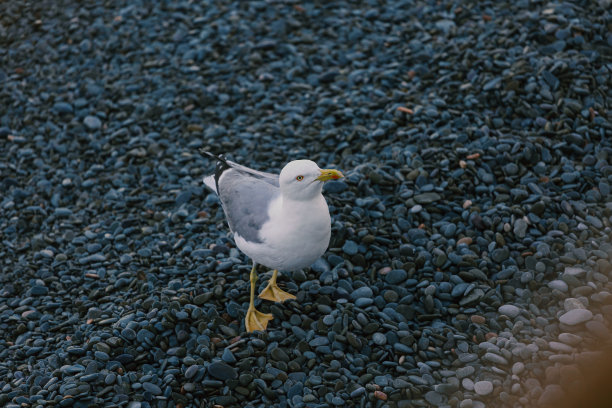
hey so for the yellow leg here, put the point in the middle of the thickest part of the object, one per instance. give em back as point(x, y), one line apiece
point(273, 292)
point(255, 320)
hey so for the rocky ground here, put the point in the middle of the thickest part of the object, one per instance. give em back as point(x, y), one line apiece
point(470, 256)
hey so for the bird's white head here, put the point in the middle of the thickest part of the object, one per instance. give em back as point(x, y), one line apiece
point(303, 179)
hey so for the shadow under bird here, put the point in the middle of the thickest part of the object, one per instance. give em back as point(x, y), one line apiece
point(280, 221)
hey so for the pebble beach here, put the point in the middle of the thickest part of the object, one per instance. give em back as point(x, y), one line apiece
point(470, 258)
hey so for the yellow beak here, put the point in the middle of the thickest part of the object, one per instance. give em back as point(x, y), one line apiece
point(329, 174)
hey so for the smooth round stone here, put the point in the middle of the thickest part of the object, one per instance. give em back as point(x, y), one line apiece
point(328, 320)
point(466, 371)
point(191, 371)
point(379, 339)
point(337, 401)
point(559, 285)
point(102, 356)
point(447, 388)
point(520, 228)
point(483, 388)
point(576, 316)
point(222, 371)
point(509, 310)
point(478, 319)
point(320, 266)
point(92, 123)
point(363, 302)
point(448, 230)
point(110, 378)
point(396, 276)
point(468, 384)
point(63, 107)
point(279, 354)
point(390, 296)
point(495, 358)
point(500, 254)
point(569, 338)
point(434, 398)
point(144, 334)
point(466, 403)
point(468, 357)
point(350, 248)
point(152, 388)
point(416, 209)
point(560, 347)
point(518, 368)
point(362, 292)
point(128, 333)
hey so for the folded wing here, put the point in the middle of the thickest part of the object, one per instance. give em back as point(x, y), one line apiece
point(245, 195)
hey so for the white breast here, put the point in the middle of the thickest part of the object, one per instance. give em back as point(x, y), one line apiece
point(296, 235)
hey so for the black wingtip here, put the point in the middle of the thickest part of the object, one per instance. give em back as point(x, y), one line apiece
point(220, 167)
point(209, 154)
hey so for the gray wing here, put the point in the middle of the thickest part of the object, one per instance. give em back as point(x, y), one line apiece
point(262, 175)
point(245, 198)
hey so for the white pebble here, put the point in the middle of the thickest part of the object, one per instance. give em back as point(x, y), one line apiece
point(576, 316)
point(558, 284)
point(509, 310)
point(483, 387)
point(518, 368)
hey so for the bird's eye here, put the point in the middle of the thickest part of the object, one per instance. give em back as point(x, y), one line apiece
point(299, 178)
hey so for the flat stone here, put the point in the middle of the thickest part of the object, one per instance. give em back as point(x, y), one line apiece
point(520, 228)
point(483, 388)
point(494, 358)
point(518, 368)
point(576, 316)
point(92, 123)
point(152, 388)
point(279, 354)
point(192, 371)
point(362, 292)
point(560, 347)
point(509, 310)
point(465, 371)
point(350, 248)
point(434, 398)
point(559, 285)
point(500, 254)
point(396, 276)
point(427, 198)
point(379, 339)
point(570, 338)
point(574, 271)
point(222, 371)
point(468, 384)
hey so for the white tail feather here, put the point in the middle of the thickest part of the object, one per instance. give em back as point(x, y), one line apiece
point(209, 181)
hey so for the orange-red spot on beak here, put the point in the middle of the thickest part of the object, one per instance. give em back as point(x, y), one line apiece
point(329, 174)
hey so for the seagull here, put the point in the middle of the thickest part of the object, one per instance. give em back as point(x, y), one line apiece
point(280, 221)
